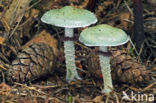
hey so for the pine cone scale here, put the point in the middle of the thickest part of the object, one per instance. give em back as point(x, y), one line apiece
point(23, 70)
point(25, 61)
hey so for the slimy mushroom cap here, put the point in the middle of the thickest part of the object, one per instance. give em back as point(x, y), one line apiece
point(103, 35)
point(69, 17)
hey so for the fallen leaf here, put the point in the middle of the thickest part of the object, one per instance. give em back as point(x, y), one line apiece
point(123, 18)
point(5, 24)
point(2, 40)
point(97, 99)
point(78, 64)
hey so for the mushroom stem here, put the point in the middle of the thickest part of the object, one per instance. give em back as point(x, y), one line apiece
point(69, 50)
point(106, 71)
point(69, 32)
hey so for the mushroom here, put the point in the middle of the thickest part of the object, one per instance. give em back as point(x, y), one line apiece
point(69, 18)
point(104, 35)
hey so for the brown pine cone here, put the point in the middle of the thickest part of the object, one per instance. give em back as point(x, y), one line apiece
point(127, 69)
point(124, 67)
point(33, 62)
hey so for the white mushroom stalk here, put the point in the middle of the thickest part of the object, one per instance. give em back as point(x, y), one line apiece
point(106, 71)
point(69, 50)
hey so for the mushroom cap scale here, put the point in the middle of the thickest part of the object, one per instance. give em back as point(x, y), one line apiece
point(103, 35)
point(69, 17)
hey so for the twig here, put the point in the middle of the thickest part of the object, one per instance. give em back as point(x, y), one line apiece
point(13, 31)
point(83, 46)
point(14, 13)
point(135, 48)
point(30, 7)
point(128, 7)
point(33, 4)
point(3, 76)
point(21, 16)
point(107, 99)
point(1, 67)
point(30, 88)
point(144, 89)
point(117, 99)
point(149, 86)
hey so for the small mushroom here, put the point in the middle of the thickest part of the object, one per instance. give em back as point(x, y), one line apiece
point(69, 18)
point(104, 35)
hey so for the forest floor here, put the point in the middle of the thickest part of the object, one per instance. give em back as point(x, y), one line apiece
point(20, 23)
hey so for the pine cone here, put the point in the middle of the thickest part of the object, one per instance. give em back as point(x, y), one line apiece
point(127, 69)
point(33, 62)
point(124, 67)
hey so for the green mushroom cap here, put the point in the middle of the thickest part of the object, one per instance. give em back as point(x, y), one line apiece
point(103, 35)
point(69, 17)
